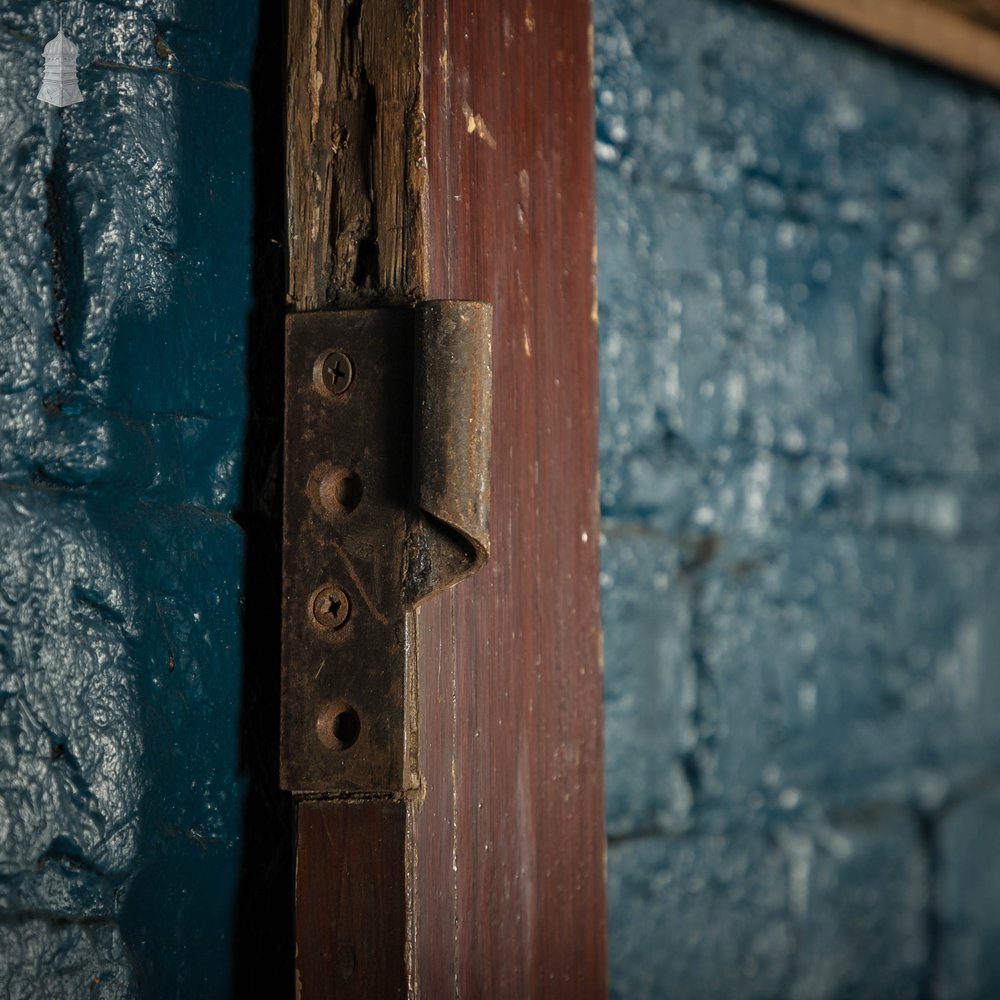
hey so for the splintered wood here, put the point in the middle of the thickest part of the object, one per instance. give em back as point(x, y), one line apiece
point(356, 168)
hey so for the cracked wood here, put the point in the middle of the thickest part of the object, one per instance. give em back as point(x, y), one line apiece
point(356, 162)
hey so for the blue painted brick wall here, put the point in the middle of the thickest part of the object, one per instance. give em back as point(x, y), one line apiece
point(124, 292)
point(800, 315)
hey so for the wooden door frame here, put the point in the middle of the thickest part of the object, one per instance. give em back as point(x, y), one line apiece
point(959, 35)
point(444, 149)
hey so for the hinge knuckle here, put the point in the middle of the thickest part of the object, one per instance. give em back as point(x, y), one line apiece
point(453, 396)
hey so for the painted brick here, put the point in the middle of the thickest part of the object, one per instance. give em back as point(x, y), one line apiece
point(64, 962)
point(800, 368)
point(124, 295)
point(858, 895)
point(653, 688)
point(713, 913)
point(969, 920)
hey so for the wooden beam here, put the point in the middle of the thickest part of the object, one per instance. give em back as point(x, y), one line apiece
point(960, 35)
point(509, 837)
point(444, 149)
point(355, 180)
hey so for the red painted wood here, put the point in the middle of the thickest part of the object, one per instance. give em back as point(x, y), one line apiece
point(489, 880)
point(508, 841)
point(350, 900)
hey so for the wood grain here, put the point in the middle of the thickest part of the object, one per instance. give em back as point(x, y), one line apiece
point(509, 840)
point(350, 906)
point(355, 182)
point(355, 166)
point(961, 35)
point(502, 850)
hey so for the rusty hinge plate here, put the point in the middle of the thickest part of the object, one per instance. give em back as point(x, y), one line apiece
point(387, 433)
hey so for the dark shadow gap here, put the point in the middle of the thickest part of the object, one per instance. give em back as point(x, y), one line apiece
point(264, 944)
point(66, 257)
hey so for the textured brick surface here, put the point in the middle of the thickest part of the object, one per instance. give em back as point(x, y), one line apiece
point(124, 289)
point(969, 889)
point(65, 962)
point(801, 493)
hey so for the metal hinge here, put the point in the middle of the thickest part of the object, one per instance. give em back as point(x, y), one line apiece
point(387, 451)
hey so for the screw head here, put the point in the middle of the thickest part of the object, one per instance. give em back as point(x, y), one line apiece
point(335, 372)
point(331, 607)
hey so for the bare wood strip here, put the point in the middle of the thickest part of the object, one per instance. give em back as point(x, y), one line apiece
point(356, 182)
point(961, 35)
point(984, 11)
point(355, 162)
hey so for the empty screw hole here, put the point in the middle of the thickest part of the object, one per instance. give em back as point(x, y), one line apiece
point(338, 726)
point(340, 490)
point(347, 728)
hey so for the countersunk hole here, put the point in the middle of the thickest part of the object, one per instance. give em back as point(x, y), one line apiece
point(338, 726)
point(334, 490)
point(340, 490)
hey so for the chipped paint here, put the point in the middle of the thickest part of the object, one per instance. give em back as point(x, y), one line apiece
point(475, 125)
